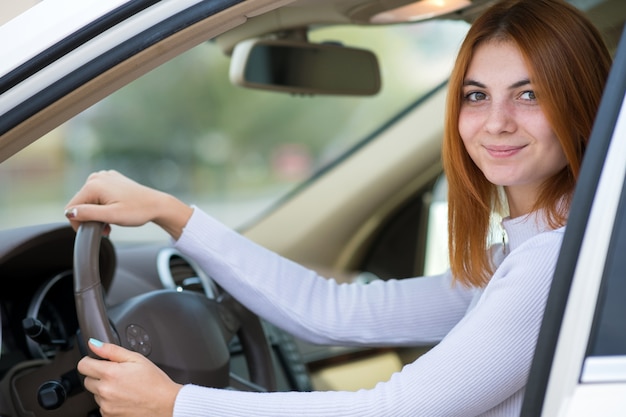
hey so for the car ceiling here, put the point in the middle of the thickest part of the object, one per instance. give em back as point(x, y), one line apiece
point(314, 13)
point(607, 15)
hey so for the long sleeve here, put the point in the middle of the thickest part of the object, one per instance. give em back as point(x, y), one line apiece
point(479, 368)
point(397, 312)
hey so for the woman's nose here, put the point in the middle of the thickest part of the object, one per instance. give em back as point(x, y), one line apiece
point(500, 119)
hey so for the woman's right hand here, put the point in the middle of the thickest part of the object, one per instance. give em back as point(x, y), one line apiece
point(120, 384)
point(112, 198)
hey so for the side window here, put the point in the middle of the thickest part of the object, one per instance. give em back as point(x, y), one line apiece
point(606, 353)
point(436, 258)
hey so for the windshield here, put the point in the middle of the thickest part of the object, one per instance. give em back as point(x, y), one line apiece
point(185, 129)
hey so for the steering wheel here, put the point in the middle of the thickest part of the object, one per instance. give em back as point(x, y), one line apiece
point(184, 333)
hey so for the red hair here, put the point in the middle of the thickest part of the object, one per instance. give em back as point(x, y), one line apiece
point(568, 63)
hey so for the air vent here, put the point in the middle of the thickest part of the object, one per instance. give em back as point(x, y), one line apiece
point(179, 273)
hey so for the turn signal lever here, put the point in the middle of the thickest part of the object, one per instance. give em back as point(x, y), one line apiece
point(40, 334)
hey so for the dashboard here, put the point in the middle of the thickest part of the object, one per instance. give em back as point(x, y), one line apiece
point(36, 271)
point(40, 326)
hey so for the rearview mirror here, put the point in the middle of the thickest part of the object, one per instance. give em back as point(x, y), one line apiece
point(304, 68)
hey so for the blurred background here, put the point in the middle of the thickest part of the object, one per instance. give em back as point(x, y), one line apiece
point(185, 129)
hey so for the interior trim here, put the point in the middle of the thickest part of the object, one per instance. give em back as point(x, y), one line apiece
point(604, 369)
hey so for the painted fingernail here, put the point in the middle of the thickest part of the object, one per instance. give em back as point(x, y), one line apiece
point(71, 213)
point(96, 342)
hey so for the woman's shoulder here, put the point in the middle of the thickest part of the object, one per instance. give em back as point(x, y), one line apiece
point(532, 260)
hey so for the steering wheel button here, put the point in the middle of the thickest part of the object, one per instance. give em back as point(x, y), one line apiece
point(138, 339)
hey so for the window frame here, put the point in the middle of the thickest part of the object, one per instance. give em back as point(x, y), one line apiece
point(561, 347)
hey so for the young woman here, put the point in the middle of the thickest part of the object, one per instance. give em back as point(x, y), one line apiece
point(522, 99)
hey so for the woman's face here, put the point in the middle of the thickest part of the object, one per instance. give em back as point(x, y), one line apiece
point(503, 127)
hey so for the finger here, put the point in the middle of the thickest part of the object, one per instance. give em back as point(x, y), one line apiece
point(92, 212)
point(94, 190)
point(70, 213)
point(112, 352)
point(91, 368)
point(91, 385)
point(89, 212)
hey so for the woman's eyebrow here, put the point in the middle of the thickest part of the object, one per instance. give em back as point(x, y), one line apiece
point(519, 84)
point(474, 83)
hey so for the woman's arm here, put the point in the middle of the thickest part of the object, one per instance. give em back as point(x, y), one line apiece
point(479, 368)
point(395, 312)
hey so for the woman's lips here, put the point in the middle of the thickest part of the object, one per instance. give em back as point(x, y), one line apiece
point(503, 151)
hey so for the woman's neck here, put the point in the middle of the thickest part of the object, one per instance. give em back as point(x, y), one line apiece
point(520, 201)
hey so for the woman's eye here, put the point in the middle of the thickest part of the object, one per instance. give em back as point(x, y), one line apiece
point(475, 96)
point(528, 95)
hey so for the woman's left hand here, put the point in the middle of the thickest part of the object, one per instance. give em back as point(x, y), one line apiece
point(127, 384)
point(113, 198)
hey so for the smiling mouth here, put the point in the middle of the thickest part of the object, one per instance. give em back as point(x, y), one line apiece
point(503, 151)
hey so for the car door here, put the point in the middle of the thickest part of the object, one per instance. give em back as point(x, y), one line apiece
point(580, 363)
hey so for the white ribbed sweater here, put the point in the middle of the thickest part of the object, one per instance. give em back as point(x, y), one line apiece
point(486, 337)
